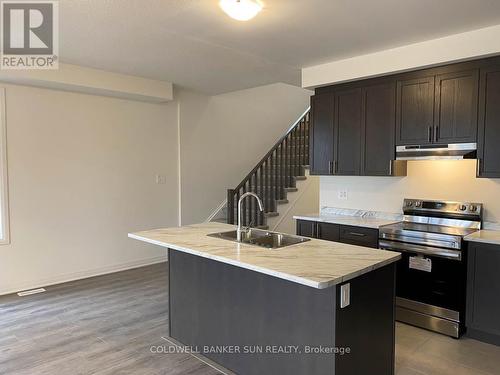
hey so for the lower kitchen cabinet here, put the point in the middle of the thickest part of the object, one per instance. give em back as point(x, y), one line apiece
point(359, 236)
point(307, 228)
point(328, 232)
point(483, 292)
point(352, 235)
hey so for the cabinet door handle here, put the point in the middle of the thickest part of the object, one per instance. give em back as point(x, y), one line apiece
point(430, 133)
point(330, 167)
point(436, 133)
point(313, 229)
point(390, 167)
point(318, 230)
point(478, 172)
point(357, 234)
point(335, 164)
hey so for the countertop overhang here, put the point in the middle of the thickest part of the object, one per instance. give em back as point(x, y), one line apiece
point(485, 236)
point(316, 263)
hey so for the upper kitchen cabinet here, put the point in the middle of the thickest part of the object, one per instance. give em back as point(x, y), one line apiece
point(439, 109)
point(378, 132)
point(363, 131)
point(347, 132)
point(357, 125)
point(488, 155)
point(415, 111)
point(322, 145)
point(456, 107)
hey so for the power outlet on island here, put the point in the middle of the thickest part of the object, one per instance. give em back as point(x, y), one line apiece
point(343, 194)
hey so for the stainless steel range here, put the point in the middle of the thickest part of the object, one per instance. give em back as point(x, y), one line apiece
point(432, 275)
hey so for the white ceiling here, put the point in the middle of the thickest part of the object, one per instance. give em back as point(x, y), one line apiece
point(193, 44)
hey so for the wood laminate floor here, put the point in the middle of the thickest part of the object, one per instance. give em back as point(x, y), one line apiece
point(108, 324)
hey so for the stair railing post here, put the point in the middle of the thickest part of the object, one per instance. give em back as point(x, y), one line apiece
point(230, 206)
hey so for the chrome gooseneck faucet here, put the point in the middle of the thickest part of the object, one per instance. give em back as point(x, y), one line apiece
point(261, 207)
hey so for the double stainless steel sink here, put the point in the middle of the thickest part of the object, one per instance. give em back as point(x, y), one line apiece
point(262, 238)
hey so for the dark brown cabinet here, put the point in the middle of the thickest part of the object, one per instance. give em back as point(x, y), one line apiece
point(361, 121)
point(456, 107)
point(488, 155)
point(359, 236)
point(356, 126)
point(347, 132)
point(483, 291)
point(322, 141)
point(353, 235)
point(328, 232)
point(378, 151)
point(307, 228)
point(438, 109)
point(415, 111)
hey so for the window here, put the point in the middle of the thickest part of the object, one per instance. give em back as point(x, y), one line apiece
point(4, 196)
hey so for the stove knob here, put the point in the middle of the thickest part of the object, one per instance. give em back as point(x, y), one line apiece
point(418, 204)
point(473, 208)
point(462, 207)
point(409, 204)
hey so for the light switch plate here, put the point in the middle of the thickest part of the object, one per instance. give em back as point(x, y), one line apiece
point(161, 179)
point(345, 295)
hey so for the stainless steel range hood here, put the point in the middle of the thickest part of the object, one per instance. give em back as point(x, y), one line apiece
point(454, 151)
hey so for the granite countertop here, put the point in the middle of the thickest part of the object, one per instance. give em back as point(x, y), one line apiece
point(358, 221)
point(316, 263)
point(485, 236)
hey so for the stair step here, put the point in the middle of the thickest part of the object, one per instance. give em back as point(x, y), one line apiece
point(268, 189)
point(271, 214)
point(288, 166)
point(293, 157)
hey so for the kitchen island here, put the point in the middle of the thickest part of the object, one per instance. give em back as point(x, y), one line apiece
point(317, 307)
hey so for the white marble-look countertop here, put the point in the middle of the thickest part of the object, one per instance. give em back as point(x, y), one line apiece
point(357, 221)
point(485, 236)
point(316, 263)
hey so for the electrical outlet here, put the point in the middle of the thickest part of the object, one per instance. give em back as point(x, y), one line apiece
point(161, 179)
point(345, 295)
point(342, 194)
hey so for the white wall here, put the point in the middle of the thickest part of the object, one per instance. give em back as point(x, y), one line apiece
point(81, 175)
point(82, 172)
point(303, 202)
point(224, 136)
point(458, 47)
point(447, 180)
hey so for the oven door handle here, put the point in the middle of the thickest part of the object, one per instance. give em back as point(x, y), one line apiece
point(419, 249)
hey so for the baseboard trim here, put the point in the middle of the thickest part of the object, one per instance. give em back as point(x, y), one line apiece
point(38, 283)
point(487, 337)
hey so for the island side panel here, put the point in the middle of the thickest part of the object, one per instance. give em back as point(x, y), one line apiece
point(367, 325)
point(213, 303)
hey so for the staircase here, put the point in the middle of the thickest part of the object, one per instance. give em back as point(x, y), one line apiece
point(277, 176)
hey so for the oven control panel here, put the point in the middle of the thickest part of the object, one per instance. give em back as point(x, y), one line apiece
point(461, 208)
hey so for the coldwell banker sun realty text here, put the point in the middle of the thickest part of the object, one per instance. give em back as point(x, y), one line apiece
point(30, 34)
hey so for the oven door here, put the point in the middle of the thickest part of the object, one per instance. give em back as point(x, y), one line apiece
point(428, 275)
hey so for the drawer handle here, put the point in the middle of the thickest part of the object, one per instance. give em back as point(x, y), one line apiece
point(357, 234)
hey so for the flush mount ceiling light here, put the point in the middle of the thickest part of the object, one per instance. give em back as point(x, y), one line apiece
point(241, 10)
